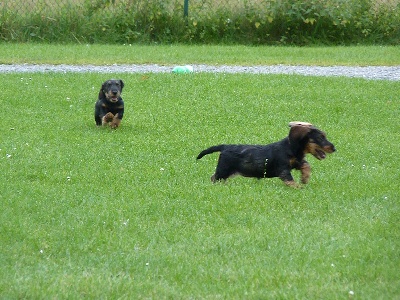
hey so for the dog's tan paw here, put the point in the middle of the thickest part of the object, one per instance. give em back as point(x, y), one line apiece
point(304, 180)
point(293, 184)
point(109, 117)
point(115, 123)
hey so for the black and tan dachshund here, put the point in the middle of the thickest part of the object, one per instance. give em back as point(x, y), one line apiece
point(109, 108)
point(273, 160)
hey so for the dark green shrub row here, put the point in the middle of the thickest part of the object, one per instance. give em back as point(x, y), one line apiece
point(264, 22)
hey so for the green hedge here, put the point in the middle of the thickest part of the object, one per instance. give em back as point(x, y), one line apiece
point(263, 22)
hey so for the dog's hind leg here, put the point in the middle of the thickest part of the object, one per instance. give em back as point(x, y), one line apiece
point(219, 175)
point(213, 180)
point(225, 168)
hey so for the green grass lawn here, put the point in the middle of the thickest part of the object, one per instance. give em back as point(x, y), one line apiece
point(184, 54)
point(97, 213)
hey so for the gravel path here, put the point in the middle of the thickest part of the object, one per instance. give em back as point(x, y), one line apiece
point(373, 73)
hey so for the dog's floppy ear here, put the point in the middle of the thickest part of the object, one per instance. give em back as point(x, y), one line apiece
point(101, 93)
point(298, 131)
point(122, 84)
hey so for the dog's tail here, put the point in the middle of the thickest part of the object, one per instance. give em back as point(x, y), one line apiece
point(211, 150)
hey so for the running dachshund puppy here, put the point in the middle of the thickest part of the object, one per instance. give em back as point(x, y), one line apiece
point(109, 108)
point(273, 160)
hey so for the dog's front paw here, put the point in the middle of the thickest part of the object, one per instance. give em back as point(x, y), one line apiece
point(293, 184)
point(109, 117)
point(304, 180)
point(115, 123)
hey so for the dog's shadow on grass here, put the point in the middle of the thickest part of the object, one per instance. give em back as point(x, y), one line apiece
point(126, 128)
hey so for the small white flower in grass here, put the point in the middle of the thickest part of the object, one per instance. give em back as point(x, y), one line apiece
point(41, 251)
point(351, 293)
point(126, 222)
point(147, 264)
point(332, 265)
point(8, 155)
point(68, 178)
point(162, 169)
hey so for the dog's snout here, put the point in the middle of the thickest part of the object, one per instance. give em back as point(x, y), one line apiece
point(331, 148)
point(114, 91)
